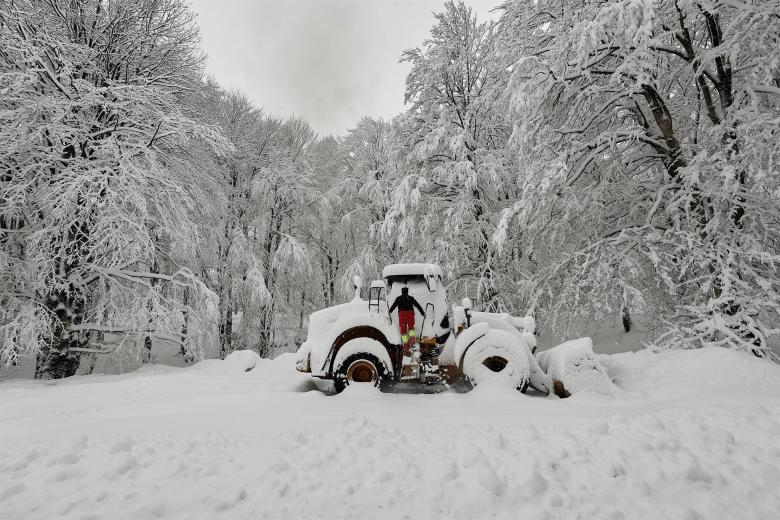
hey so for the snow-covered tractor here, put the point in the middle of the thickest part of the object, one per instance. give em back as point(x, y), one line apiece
point(361, 341)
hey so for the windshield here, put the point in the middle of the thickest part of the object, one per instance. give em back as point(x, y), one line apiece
point(408, 280)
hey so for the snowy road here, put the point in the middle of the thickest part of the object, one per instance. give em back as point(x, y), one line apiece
point(213, 441)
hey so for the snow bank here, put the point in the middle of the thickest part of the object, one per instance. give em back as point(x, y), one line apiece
point(244, 360)
point(576, 366)
point(235, 362)
point(713, 371)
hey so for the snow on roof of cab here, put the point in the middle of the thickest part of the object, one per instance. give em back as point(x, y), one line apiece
point(377, 283)
point(411, 270)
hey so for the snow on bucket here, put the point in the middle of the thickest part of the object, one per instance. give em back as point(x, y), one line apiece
point(575, 365)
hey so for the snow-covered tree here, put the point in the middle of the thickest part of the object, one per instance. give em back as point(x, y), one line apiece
point(97, 171)
point(649, 137)
point(452, 151)
point(280, 194)
point(370, 178)
point(237, 274)
point(259, 247)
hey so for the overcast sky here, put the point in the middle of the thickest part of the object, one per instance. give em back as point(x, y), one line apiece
point(328, 61)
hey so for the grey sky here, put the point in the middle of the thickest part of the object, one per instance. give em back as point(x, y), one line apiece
point(328, 61)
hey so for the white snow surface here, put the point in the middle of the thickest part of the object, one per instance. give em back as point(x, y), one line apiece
point(687, 435)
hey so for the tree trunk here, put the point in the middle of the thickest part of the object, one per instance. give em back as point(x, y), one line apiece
point(57, 361)
point(61, 358)
point(626, 317)
point(147, 352)
point(266, 330)
point(226, 332)
point(186, 355)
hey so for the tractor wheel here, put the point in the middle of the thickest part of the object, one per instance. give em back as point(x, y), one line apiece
point(360, 368)
point(498, 357)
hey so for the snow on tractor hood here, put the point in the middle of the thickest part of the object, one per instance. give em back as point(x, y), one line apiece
point(327, 324)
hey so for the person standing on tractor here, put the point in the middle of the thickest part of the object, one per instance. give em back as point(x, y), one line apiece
point(406, 305)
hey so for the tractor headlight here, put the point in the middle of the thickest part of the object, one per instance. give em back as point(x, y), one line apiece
point(304, 364)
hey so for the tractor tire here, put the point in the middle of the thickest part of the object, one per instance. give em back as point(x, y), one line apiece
point(361, 368)
point(497, 357)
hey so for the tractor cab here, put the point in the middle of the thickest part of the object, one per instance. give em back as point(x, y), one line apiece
point(424, 282)
point(431, 329)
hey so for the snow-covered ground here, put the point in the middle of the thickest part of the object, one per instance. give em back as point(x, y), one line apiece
point(687, 434)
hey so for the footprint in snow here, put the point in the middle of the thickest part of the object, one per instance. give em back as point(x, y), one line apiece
point(651, 423)
point(698, 474)
point(279, 466)
point(486, 474)
point(300, 438)
point(12, 490)
point(121, 445)
point(23, 463)
point(450, 469)
point(69, 458)
point(537, 484)
point(128, 464)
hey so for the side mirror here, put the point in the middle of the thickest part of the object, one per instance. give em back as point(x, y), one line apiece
point(430, 274)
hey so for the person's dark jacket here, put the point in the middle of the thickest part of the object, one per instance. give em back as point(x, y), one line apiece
point(406, 303)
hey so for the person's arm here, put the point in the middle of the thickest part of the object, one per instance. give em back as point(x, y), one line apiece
point(392, 307)
point(416, 304)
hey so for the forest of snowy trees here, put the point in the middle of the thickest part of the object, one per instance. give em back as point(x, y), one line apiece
point(572, 159)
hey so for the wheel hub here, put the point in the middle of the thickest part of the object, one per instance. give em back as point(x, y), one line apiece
point(495, 363)
point(362, 371)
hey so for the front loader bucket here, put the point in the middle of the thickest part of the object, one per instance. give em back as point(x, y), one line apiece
point(574, 367)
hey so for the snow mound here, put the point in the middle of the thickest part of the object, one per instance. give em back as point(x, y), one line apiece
point(244, 360)
point(236, 362)
point(279, 375)
point(714, 370)
point(577, 367)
